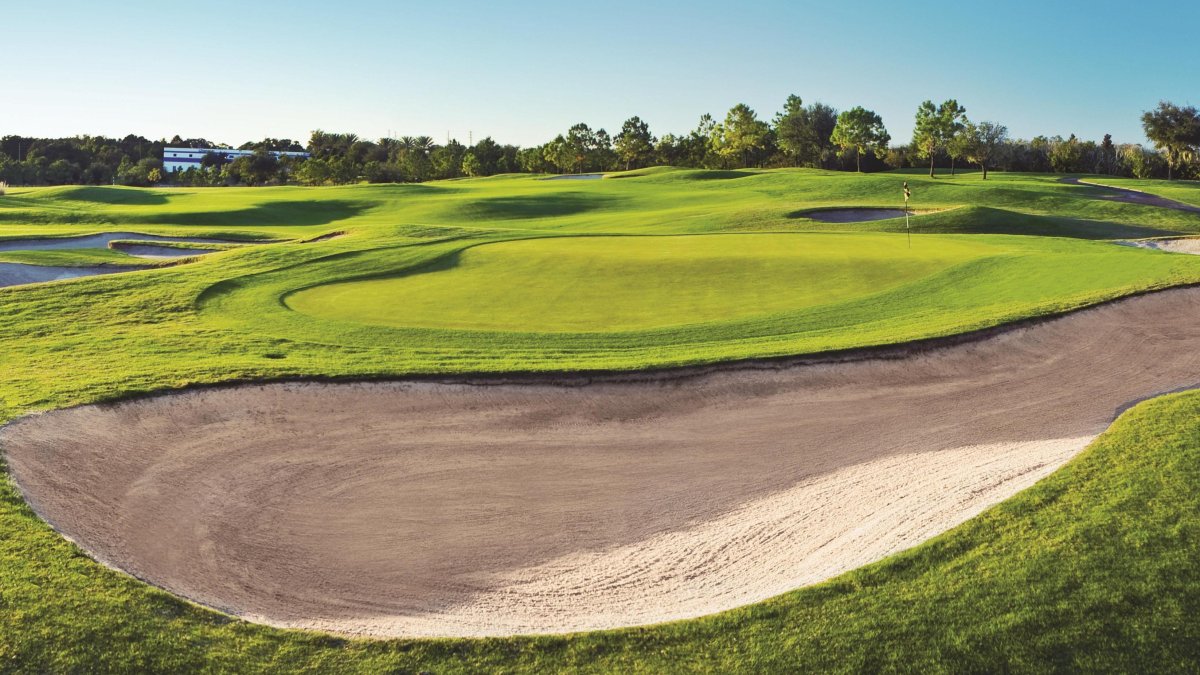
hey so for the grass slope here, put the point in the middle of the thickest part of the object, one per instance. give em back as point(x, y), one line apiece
point(435, 321)
point(631, 283)
point(1090, 568)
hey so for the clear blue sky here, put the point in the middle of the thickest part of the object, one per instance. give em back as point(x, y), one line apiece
point(523, 71)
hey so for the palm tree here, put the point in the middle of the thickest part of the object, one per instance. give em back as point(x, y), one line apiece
point(425, 144)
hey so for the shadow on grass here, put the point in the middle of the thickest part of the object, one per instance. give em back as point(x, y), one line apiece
point(109, 195)
point(713, 174)
point(294, 213)
point(550, 205)
point(988, 220)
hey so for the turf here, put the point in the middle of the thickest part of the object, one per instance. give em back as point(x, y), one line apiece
point(570, 284)
point(1092, 568)
point(1185, 191)
point(67, 257)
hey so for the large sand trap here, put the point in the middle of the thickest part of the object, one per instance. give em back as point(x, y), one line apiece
point(101, 240)
point(17, 274)
point(423, 509)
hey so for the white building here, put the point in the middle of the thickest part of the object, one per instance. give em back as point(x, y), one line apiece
point(182, 159)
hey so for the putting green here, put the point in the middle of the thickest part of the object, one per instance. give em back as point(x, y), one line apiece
point(630, 283)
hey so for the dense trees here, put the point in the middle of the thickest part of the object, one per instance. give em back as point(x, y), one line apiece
point(799, 135)
point(742, 140)
point(1175, 130)
point(861, 130)
point(82, 159)
point(634, 144)
point(803, 133)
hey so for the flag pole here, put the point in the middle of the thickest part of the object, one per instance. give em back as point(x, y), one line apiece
point(907, 226)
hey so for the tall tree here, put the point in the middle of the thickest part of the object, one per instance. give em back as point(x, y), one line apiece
point(958, 145)
point(1108, 154)
point(581, 144)
point(802, 133)
point(486, 158)
point(742, 137)
point(822, 119)
point(935, 126)
point(862, 130)
point(791, 129)
point(927, 134)
point(699, 142)
point(1174, 130)
point(634, 144)
point(954, 118)
point(985, 141)
point(558, 153)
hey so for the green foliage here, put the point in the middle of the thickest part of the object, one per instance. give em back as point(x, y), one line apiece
point(742, 139)
point(634, 145)
point(1175, 129)
point(803, 133)
point(937, 127)
point(471, 165)
point(981, 143)
point(1142, 164)
point(861, 130)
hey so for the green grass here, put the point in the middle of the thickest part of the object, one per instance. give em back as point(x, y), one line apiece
point(571, 284)
point(439, 316)
point(1186, 191)
point(82, 257)
point(1092, 568)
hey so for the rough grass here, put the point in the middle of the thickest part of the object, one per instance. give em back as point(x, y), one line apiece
point(1094, 568)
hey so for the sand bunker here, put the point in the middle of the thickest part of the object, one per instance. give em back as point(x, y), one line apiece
point(855, 215)
point(102, 240)
point(1181, 245)
point(16, 274)
point(425, 509)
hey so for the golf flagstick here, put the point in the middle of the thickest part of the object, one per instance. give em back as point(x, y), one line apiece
point(907, 227)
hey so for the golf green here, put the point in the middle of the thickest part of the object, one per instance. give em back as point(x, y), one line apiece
point(630, 283)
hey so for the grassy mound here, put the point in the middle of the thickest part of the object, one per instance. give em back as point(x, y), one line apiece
point(585, 303)
point(579, 284)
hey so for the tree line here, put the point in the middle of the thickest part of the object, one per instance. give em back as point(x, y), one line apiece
point(815, 135)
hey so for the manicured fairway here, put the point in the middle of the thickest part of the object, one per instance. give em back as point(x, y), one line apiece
point(1092, 567)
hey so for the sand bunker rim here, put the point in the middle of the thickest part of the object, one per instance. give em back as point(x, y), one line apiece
point(103, 239)
point(521, 577)
point(20, 274)
point(855, 215)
